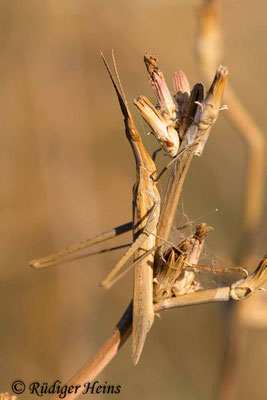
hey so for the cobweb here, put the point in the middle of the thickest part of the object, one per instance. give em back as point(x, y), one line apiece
point(210, 258)
point(185, 227)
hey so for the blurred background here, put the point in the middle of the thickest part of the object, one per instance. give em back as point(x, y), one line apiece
point(66, 173)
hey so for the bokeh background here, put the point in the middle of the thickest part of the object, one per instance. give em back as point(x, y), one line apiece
point(66, 173)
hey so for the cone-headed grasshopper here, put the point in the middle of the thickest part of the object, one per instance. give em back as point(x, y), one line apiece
point(146, 208)
point(146, 202)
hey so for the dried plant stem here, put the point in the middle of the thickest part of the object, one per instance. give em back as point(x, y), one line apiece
point(209, 47)
point(192, 144)
point(209, 39)
point(197, 298)
point(254, 140)
point(104, 354)
point(173, 192)
point(235, 347)
point(140, 312)
point(253, 206)
point(240, 290)
point(123, 329)
point(171, 198)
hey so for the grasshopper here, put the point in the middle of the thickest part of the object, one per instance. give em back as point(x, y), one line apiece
point(146, 204)
point(173, 127)
point(146, 209)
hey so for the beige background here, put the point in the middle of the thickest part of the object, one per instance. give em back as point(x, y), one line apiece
point(66, 173)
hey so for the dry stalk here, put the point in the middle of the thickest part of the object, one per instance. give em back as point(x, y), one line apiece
point(209, 50)
point(182, 132)
point(192, 143)
point(240, 290)
point(192, 124)
point(192, 118)
point(169, 290)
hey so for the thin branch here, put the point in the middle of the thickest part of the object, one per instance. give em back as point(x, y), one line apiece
point(204, 119)
point(209, 51)
point(104, 354)
point(240, 290)
point(255, 142)
point(206, 113)
point(173, 192)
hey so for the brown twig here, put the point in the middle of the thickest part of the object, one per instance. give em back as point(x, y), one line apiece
point(173, 193)
point(255, 142)
point(104, 354)
point(240, 290)
point(209, 50)
point(122, 331)
point(198, 130)
point(198, 133)
point(193, 140)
